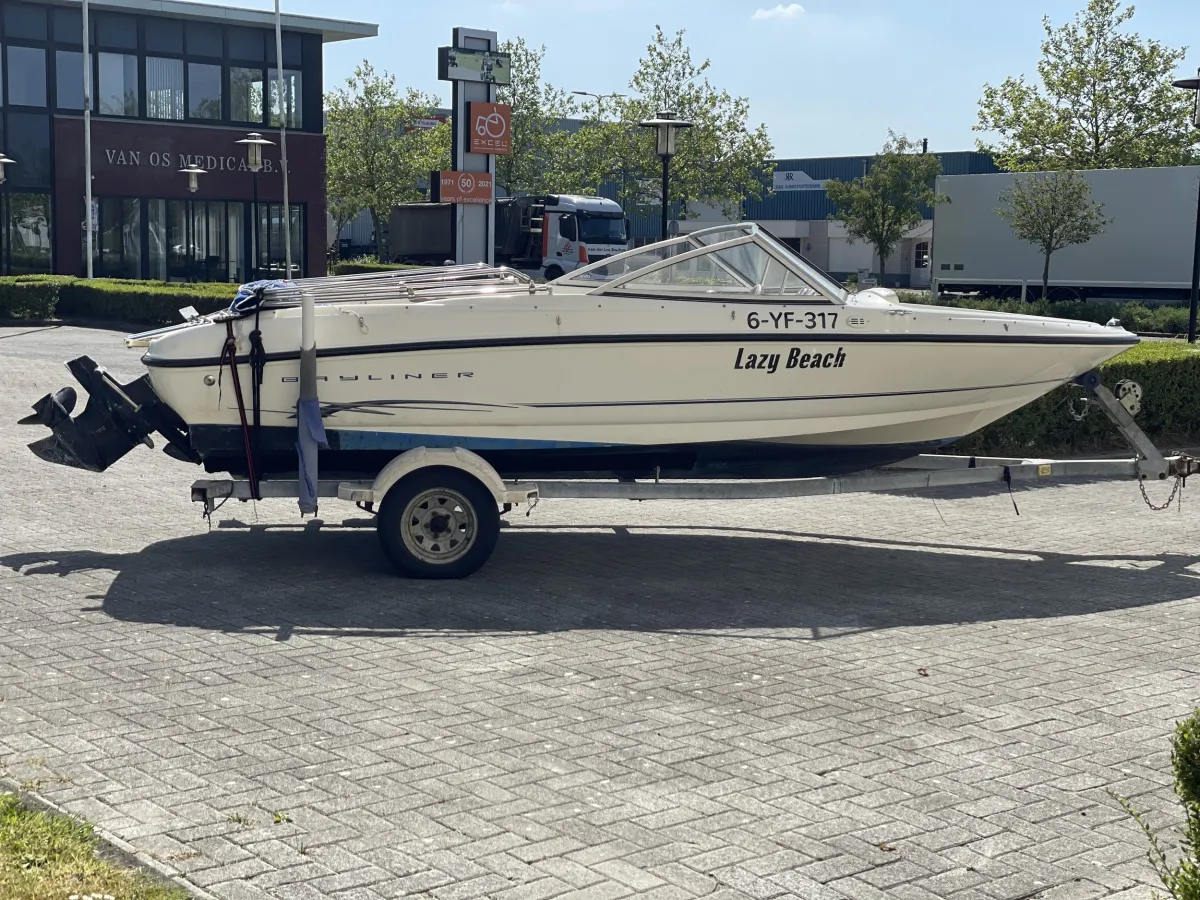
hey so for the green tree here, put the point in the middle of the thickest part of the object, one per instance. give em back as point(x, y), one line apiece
point(889, 201)
point(1104, 101)
point(721, 160)
point(376, 156)
point(537, 113)
point(1052, 211)
point(1181, 879)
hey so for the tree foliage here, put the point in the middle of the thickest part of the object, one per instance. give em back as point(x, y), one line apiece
point(1104, 100)
point(883, 205)
point(1052, 211)
point(538, 109)
point(721, 160)
point(376, 156)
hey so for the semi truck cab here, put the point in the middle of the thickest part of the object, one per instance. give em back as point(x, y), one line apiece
point(558, 233)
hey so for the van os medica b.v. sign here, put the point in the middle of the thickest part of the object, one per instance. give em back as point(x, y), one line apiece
point(155, 159)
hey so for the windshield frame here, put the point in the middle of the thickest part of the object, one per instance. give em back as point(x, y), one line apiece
point(825, 288)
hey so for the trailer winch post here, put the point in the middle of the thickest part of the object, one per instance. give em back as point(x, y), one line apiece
point(1154, 466)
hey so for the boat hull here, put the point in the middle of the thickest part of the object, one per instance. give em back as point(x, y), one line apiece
point(685, 406)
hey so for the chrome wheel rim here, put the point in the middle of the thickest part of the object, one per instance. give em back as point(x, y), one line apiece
point(439, 526)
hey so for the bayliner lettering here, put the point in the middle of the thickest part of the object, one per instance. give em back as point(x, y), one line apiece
point(796, 359)
point(403, 376)
point(789, 319)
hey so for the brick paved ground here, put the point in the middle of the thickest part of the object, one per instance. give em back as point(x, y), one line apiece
point(667, 700)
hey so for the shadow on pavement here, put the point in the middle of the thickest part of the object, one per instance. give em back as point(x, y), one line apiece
point(333, 579)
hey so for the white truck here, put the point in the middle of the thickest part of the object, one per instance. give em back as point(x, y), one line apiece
point(557, 233)
point(1145, 253)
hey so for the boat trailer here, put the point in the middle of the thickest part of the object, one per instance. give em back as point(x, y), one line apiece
point(424, 547)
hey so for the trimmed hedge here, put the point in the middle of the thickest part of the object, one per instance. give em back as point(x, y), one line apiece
point(113, 299)
point(1169, 373)
point(364, 265)
point(1134, 316)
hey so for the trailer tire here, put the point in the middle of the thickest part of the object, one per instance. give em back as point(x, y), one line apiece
point(438, 523)
point(553, 272)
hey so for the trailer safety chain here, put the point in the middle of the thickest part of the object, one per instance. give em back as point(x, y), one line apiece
point(1179, 482)
point(1079, 416)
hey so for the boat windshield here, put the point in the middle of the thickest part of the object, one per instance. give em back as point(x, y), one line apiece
point(726, 259)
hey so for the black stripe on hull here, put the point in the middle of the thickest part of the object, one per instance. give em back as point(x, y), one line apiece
point(222, 450)
point(774, 337)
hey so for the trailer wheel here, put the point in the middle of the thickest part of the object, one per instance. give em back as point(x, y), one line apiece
point(553, 272)
point(438, 523)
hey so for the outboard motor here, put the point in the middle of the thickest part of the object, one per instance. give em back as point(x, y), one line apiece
point(116, 419)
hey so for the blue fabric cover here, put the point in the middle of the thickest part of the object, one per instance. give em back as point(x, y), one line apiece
point(247, 298)
point(311, 439)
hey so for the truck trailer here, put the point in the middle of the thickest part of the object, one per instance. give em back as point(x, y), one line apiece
point(1145, 253)
point(553, 233)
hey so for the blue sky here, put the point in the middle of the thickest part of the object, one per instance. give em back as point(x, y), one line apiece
point(828, 77)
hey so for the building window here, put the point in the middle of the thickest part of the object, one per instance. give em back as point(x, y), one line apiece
point(29, 234)
point(28, 142)
point(921, 255)
point(26, 76)
point(246, 95)
point(272, 254)
point(247, 44)
point(118, 94)
point(204, 39)
point(164, 88)
point(22, 20)
point(164, 35)
point(204, 91)
point(68, 26)
point(293, 95)
point(68, 65)
point(116, 31)
point(118, 252)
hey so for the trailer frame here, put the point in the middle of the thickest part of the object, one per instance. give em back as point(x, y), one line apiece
point(923, 472)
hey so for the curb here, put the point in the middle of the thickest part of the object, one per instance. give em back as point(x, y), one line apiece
point(111, 848)
point(100, 324)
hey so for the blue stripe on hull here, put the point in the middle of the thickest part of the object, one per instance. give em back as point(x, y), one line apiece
point(354, 439)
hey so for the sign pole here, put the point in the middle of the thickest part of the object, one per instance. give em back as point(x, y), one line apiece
point(283, 111)
point(87, 139)
point(474, 227)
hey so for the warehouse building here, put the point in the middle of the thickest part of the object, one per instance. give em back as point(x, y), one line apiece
point(797, 210)
point(173, 84)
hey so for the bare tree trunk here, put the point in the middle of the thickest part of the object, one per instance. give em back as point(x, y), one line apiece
point(1046, 278)
point(882, 270)
point(380, 249)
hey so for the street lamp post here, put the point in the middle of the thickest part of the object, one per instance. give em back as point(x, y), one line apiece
point(5, 161)
point(1193, 84)
point(193, 172)
point(600, 98)
point(254, 150)
point(666, 128)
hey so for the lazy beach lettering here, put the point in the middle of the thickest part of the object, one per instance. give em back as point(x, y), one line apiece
point(796, 359)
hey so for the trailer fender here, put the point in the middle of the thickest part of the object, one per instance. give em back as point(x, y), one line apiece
point(449, 457)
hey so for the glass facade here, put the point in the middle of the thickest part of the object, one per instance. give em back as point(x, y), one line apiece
point(153, 69)
point(193, 240)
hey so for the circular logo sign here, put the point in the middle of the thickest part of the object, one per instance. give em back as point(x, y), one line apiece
point(466, 182)
point(492, 126)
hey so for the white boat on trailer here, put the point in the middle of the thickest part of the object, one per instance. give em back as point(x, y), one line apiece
point(716, 355)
